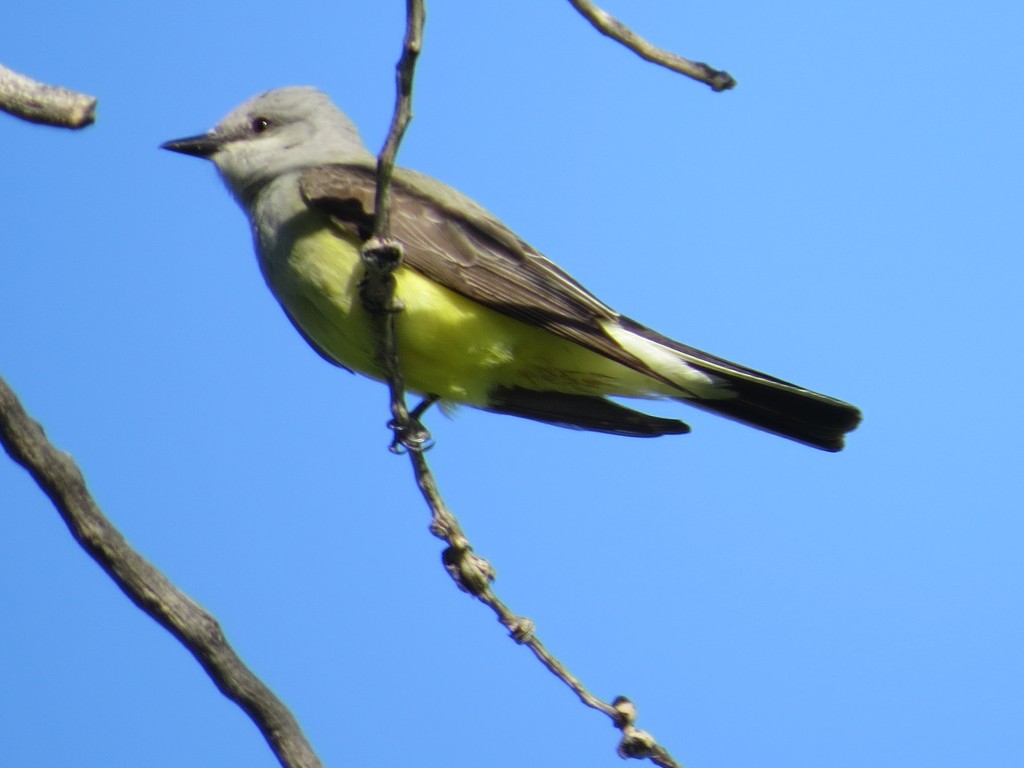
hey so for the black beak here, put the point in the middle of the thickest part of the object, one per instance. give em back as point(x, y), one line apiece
point(203, 145)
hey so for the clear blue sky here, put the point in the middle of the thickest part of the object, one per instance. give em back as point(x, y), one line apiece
point(849, 218)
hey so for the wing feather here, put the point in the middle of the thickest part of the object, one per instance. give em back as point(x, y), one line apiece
point(453, 241)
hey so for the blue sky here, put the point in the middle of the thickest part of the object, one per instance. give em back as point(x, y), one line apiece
point(848, 218)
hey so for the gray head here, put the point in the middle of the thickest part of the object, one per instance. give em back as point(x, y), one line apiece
point(289, 129)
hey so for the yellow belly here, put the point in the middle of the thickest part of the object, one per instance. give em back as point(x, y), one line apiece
point(448, 345)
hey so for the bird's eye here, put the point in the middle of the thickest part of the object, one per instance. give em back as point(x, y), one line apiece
point(260, 124)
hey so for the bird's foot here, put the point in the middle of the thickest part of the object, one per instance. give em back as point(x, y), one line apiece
point(409, 433)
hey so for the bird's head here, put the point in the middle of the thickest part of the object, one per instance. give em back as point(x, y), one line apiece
point(277, 132)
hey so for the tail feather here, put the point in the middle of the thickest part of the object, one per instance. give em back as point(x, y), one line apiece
point(784, 409)
point(588, 412)
point(763, 401)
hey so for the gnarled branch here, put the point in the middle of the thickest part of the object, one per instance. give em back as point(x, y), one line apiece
point(61, 480)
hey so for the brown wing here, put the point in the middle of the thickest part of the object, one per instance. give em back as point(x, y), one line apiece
point(454, 242)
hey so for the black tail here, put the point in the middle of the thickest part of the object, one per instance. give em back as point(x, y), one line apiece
point(763, 401)
point(784, 409)
point(748, 396)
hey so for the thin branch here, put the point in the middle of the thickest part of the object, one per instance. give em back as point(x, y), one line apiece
point(61, 480)
point(608, 25)
point(37, 102)
point(472, 573)
point(411, 45)
point(382, 255)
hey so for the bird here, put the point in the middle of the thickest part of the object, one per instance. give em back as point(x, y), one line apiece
point(487, 320)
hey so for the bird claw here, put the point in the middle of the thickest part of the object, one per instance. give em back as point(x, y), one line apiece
point(410, 436)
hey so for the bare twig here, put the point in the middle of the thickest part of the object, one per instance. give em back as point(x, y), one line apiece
point(61, 480)
point(608, 25)
point(415, 18)
point(472, 573)
point(382, 255)
point(36, 102)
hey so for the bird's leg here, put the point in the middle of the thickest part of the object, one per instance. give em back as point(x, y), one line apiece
point(425, 403)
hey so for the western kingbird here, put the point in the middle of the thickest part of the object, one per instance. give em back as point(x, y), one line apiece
point(487, 321)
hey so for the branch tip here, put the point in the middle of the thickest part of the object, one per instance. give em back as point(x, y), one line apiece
point(611, 27)
point(36, 102)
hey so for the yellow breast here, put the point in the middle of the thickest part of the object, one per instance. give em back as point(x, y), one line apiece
point(448, 345)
